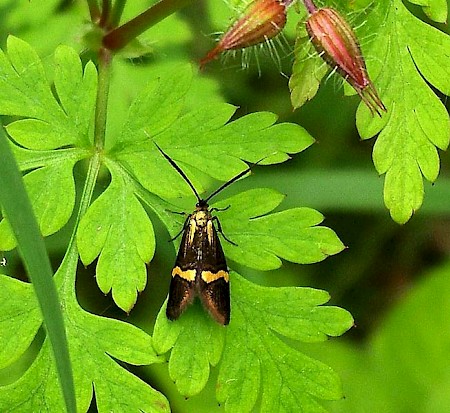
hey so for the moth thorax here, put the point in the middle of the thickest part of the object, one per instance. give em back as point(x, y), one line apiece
point(202, 218)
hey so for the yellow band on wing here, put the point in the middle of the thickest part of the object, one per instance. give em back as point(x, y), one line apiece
point(208, 276)
point(188, 275)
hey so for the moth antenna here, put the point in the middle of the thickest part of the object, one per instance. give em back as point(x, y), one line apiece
point(223, 186)
point(234, 179)
point(179, 170)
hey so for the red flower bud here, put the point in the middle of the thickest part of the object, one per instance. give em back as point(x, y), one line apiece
point(262, 20)
point(332, 36)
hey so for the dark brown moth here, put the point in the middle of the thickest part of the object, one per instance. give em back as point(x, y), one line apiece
point(200, 267)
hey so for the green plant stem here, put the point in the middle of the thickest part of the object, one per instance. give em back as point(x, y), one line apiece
point(18, 210)
point(116, 12)
point(94, 10)
point(69, 270)
point(101, 106)
point(120, 37)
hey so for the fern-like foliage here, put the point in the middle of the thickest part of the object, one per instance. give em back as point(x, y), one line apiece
point(53, 131)
point(408, 61)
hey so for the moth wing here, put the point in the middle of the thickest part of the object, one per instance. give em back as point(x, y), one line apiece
point(215, 297)
point(214, 287)
point(181, 294)
point(213, 256)
point(182, 284)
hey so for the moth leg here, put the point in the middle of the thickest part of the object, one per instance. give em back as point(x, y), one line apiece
point(182, 229)
point(220, 209)
point(219, 230)
point(176, 212)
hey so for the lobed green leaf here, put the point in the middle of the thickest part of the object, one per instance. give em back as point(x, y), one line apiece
point(26, 93)
point(254, 357)
point(189, 364)
point(52, 206)
point(436, 10)
point(48, 122)
point(307, 71)
point(25, 89)
point(289, 380)
point(202, 140)
point(262, 240)
point(417, 123)
point(94, 344)
point(404, 59)
point(117, 229)
point(156, 107)
point(18, 314)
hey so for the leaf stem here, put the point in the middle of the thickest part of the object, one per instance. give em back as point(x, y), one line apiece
point(116, 12)
point(310, 6)
point(120, 37)
point(101, 106)
point(106, 9)
point(66, 271)
point(94, 10)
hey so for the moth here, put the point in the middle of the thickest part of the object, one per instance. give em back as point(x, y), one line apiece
point(200, 268)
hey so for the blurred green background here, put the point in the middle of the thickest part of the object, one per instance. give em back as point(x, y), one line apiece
point(394, 279)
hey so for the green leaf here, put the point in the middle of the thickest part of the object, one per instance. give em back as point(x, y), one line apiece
point(28, 19)
point(307, 71)
point(436, 10)
point(76, 91)
point(22, 313)
point(404, 55)
point(47, 123)
point(189, 366)
point(53, 207)
point(293, 235)
point(289, 379)
point(200, 140)
point(117, 229)
point(254, 355)
point(95, 343)
point(26, 92)
point(166, 97)
point(17, 207)
point(417, 123)
point(24, 84)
